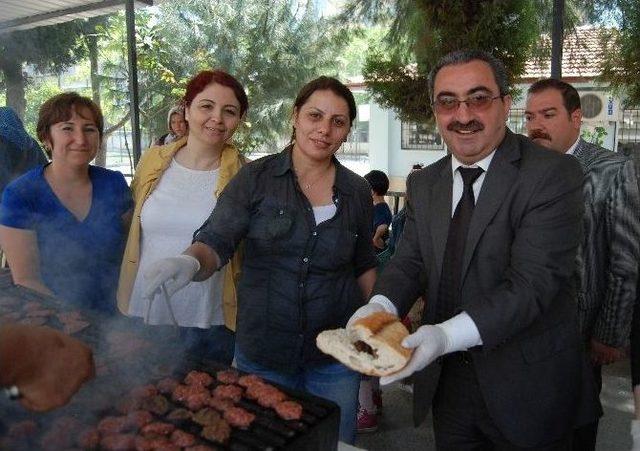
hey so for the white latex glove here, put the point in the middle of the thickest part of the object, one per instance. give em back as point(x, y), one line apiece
point(174, 272)
point(429, 342)
point(635, 435)
point(365, 310)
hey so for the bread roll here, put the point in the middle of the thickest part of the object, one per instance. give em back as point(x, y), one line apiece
point(372, 345)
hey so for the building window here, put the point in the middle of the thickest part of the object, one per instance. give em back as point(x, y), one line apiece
point(420, 137)
point(516, 121)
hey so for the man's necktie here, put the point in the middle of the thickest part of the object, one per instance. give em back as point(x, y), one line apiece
point(449, 288)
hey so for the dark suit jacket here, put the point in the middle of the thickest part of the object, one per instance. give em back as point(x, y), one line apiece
point(516, 286)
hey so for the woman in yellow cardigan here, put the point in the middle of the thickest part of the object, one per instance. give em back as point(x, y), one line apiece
point(175, 188)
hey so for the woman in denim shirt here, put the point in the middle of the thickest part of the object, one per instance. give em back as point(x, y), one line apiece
point(306, 222)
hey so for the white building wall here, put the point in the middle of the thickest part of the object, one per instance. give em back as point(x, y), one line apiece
point(385, 145)
point(379, 138)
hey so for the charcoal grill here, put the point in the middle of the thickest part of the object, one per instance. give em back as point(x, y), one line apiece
point(117, 375)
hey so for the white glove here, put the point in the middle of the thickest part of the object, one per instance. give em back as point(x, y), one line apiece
point(365, 310)
point(635, 435)
point(174, 272)
point(429, 342)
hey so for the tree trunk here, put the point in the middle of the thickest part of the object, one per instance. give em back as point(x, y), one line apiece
point(91, 39)
point(14, 80)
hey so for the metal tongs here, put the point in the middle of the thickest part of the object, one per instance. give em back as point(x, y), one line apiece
point(167, 301)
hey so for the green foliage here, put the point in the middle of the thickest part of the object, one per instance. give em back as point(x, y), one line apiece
point(351, 61)
point(36, 94)
point(50, 49)
point(422, 31)
point(621, 53)
point(594, 135)
point(271, 48)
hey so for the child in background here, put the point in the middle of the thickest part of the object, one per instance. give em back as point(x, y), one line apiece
point(370, 395)
point(379, 183)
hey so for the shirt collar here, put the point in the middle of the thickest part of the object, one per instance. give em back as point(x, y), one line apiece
point(572, 149)
point(484, 163)
point(284, 165)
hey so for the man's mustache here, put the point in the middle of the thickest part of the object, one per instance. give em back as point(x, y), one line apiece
point(472, 126)
point(539, 134)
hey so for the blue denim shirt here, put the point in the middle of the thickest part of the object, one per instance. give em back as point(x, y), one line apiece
point(298, 278)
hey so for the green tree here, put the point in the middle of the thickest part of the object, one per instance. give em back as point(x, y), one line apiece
point(272, 48)
point(621, 52)
point(35, 96)
point(49, 49)
point(422, 31)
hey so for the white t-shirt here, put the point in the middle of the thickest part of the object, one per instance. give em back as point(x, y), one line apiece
point(324, 212)
point(180, 203)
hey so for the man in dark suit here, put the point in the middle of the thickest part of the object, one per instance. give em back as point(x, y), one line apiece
point(499, 357)
point(607, 269)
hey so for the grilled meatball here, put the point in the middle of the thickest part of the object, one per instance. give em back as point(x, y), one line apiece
point(198, 378)
point(227, 376)
point(217, 432)
point(157, 404)
point(160, 444)
point(182, 438)
point(238, 417)
point(197, 401)
point(112, 425)
point(118, 442)
point(266, 395)
point(233, 392)
point(157, 428)
point(220, 404)
point(181, 392)
point(249, 379)
point(138, 418)
point(289, 410)
point(206, 416)
point(179, 414)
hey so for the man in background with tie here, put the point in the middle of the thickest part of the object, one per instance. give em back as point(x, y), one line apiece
point(491, 237)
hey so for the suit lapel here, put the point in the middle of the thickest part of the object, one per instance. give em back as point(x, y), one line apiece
point(498, 181)
point(439, 212)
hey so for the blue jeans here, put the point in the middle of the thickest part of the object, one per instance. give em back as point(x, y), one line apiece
point(333, 381)
point(216, 343)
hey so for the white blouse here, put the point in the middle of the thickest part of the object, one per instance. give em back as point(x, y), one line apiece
point(180, 203)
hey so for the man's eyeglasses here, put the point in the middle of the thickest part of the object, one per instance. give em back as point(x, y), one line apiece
point(475, 102)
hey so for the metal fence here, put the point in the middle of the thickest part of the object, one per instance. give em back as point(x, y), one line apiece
point(629, 134)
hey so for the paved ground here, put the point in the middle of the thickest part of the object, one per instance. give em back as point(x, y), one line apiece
point(396, 432)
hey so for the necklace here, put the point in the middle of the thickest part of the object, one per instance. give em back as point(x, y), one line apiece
point(308, 185)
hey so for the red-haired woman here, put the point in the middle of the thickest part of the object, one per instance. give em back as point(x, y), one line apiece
point(175, 187)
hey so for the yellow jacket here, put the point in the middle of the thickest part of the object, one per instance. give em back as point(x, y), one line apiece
point(152, 165)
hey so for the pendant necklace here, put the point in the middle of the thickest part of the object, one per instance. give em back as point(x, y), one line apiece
point(306, 185)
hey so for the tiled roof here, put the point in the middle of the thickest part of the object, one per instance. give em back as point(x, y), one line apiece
point(581, 56)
